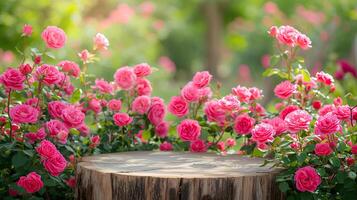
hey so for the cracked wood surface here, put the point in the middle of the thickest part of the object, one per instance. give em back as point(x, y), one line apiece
point(174, 175)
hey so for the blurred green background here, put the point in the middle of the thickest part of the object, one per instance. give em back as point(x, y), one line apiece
point(227, 37)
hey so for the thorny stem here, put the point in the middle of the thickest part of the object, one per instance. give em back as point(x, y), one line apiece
point(39, 93)
point(351, 114)
point(8, 113)
point(219, 138)
point(196, 110)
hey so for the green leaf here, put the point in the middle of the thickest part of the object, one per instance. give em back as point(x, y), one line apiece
point(50, 55)
point(321, 171)
point(30, 153)
point(341, 147)
point(352, 175)
point(305, 75)
point(274, 71)
point(309, 148)
point(76, 96)
point(274, 60)
point(302, 157)
point(35, 51)
point(284, 187)
point(335, 162)
point(74, 131)
point(19, 160)
point(340, 177)
point(146, 135)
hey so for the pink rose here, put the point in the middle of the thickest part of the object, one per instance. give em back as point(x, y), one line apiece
point(255, 93)
point(327, 124)
point(354, 149)
point(162, 129)
point(198, 146)
point(39, 135)
point(55, 126)
point(125, 78)
point(243, 124)
point(94, 141)
point(70, 67)
point(55, 108)
point(24, 114)
point(13, 192)
point(323, 149)
point(54, 37)
point(142, 70)
point(287, 35)
point(95, 105)
point(214, 112)
point(230, 142)
point(287, 110)
point(229, 103)
point(83, 128)
point(324, 78)
point(37, 60)
point(114, 105)
point(298, 120)
point(62, 137)
point(242, 93)
point(326, 109)
point(273, 31)
point(221, 146)
point(143, 87)
point(202, 79)
point(71, 182)
point(303, 41)
point(166, 146)
point(48, 74)
point(122, 119)
point(100, 42)
point(342, 112)
point(156, 112)
point(46, 149)
point(141, 104)
point(32, 101)
point(278, 124)
point(12, 79)
point(103, 86)
point(307, 179)
point(56, 164)
point(337, 101)
point(204, 94)
point(316, 104)
point(284, 90)
point(263, 133)
point(257, 109)
point(27, 30)
point(25, 69)
point(190, 93)
point(189, 130)
point(31, 183)
point(178, 106)
point(72, 116)
point(85, 56)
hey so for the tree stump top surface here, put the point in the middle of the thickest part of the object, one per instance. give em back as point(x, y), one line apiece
point(176, 164)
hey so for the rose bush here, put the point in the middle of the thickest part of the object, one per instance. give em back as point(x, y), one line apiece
point(310, 133)
point(47, 123)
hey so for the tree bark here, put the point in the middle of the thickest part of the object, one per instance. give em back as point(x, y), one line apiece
point(214, 29)
point(175, 176)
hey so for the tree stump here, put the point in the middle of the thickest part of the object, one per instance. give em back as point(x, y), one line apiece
point(175, 176)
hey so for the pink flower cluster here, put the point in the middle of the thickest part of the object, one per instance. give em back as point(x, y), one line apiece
point(290, 36)
point(51, 158)
point(31, 183)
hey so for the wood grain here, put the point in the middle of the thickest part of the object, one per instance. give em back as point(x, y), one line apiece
point(175, 176)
